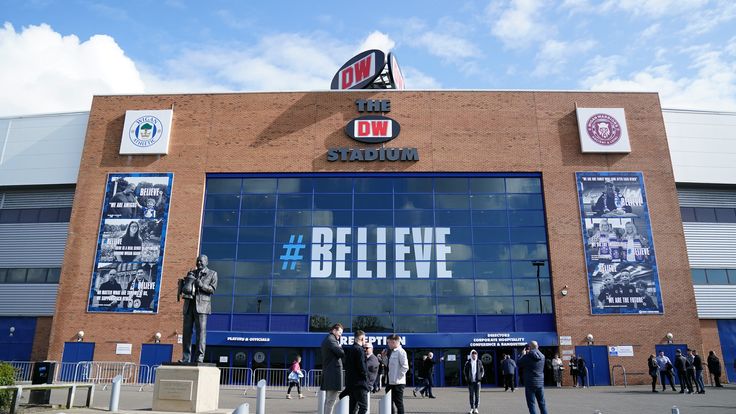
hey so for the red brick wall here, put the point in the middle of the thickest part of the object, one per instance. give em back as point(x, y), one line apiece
point(41, 338)
point(712, 342)
point(454, 131)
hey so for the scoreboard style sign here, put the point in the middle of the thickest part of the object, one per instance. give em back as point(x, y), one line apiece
point(360, 71)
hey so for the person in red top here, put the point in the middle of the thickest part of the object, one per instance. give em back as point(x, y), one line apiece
point(295, 375)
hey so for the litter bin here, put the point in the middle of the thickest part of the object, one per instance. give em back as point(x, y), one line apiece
point(43, 373)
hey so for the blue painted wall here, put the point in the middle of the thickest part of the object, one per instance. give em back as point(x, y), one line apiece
point(17, 347)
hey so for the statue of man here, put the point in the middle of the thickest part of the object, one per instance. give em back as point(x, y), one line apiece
point(196, 289)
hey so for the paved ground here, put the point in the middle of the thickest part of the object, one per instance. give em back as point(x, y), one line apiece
point(609, 400)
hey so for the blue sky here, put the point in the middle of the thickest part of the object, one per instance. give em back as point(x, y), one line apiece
point(54, 55)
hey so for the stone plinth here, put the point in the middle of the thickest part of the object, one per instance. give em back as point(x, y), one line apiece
point(188, 389)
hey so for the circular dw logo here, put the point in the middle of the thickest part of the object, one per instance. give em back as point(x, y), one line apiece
point(145, 131)
point(603, 129)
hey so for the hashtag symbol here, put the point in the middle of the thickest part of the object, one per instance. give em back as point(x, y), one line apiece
point(292, 252)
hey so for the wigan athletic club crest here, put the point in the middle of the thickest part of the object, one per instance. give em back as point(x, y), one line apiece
point(145, 131)
point(603, 129)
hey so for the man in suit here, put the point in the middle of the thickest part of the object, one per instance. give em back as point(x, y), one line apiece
point(357, 384)
point(197, 289)
point(332, 380)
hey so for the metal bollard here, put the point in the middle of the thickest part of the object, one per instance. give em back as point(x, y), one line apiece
point(321, 395)
point(261, 397)
point(368, 403)
point(384, 404)
point(242, 409)
point(115, 393)
point(343, 406)
point(675, 410)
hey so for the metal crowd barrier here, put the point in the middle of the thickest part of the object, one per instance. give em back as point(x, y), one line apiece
point(275, 377)
point(613, 375)
point(23, 370)
point(236, 379)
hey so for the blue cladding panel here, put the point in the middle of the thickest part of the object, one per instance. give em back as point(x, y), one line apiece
point(488, 323)
point(17, 347)
point(456, 323)
point(538, 323)
point(727, 333)
point(289, 323)
point(256, 323)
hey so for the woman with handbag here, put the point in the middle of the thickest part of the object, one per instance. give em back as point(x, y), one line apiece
point(295, 377)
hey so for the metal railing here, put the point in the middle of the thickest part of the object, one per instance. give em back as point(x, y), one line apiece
point(613, 375)
point(23, 370)
point(236, 379)
point(275, 377)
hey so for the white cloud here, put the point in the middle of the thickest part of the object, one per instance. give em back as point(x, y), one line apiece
point(554, 54)
point(712, 85)
point(415, 79)
point(43, 71)
point(651, 31)
point(447, 46)
point(706, 20)
point(518, 25)
point(655, 8)
point(377, 40)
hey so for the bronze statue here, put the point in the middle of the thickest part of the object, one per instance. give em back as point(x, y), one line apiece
point(196, 289)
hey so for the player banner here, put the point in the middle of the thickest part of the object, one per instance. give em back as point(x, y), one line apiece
point(619, 251)
point(130, 246)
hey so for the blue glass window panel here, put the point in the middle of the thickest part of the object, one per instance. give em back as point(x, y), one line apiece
point(222, 303)
point(688, 214)
point(329, 305)
point(413, 201)
point(330, 287)
point(492, 270)
point(528, 235)
point(413, 185)
point(527, 304)
point(374, 201)
point(459, 235)
point(322, 322)
point(374, 185)
point(547, 308)
point(451, 287)
point(219, 234)
point(373, 287)
point(333, 185)
point(372, 323)
point(725, 215)
point(222, 201)
point(416, 305)
point(460, 270)
point(497, 218)
point(224, 285)
point(255, 235)
point(295, 185)
point(295, 201)
point(255, 251)
point(731, 275)
point(257, 201)
point(290, 287)
point(338, 218)
point(223, 185)
point(529, 251)
point(333, 201)
point(699, 276)
point(452, 218)
point(456, 306)
point(374, 304)
point(717, 276)
point(250, 304)
point(418, 324)
point(487, 185)
point(526, 287)
point(253, 269)
point(257, 218)
point(414, 218)
point(525, 201)
point(523, 185)
point(451, 185)
point(460, 252)
point(301, 270)
point(546, 287)
point(259, 185)
point(220, 218)
point(252, 287)
point(223, 268)
point(215, 251)
point(488, 202)
point(48, 215)
point(527, 269)
point(373, 217)
point(705, 214)
point(283, 235)
point(518, 218)
point(415, 287)
point(452, 201)
point(36, 275)
point(493, 287)
point(491, 252)
point(491, 234)
point(293, 218)
point(289, 305)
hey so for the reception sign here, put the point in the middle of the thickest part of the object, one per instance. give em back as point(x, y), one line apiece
point(621, 262)
point(130, 246)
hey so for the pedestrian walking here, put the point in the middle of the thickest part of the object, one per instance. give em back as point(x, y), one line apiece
point(533, 365)
point(357, 383)
point(429, 364)
point(714, 367)
point(653, 371)
point(573, 364)
point(420, 380)
point(473, 373)
point(398, 365)
point(681, 369)
point(583, 372)
point(295, 377)
point(508, 369)
point(371, 362)
point(332, 380)
point(698, 364)
point(557, 368)
point(665, 371)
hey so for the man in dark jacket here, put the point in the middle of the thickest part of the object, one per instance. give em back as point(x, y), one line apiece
point(698, 365)
point(473, 373)
point(357, 382)
point(428, 370)
point(332, 354)
point(371, 362)
point(533, 365)
point(714, 367)
point(508, 369)
point(681, 369)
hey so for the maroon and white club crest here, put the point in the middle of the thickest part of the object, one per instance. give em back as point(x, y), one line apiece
point(603, 129)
